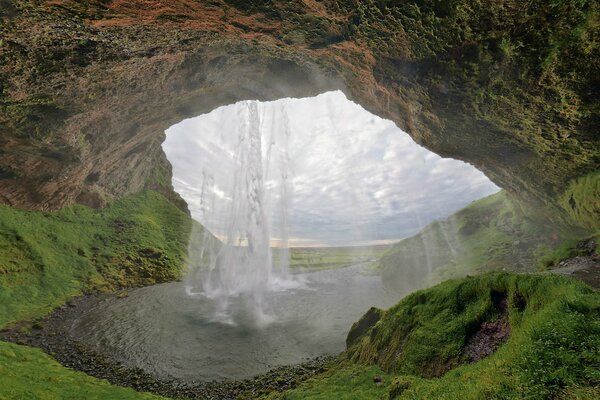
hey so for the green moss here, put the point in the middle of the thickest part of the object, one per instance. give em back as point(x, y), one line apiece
point(347, 382)
point(27, 374)
point(488, 235)
point(46, 258)
point(521, 73)
point(582, 201)
point(551, 351)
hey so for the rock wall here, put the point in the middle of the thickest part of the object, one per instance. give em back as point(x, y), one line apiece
point(87, 88)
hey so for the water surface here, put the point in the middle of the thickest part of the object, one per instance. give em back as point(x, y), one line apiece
point(169, 333)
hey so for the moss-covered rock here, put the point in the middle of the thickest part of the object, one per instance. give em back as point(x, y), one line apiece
point(508, 87)
point(363, 325)
point(422, 344)
point(47, 258)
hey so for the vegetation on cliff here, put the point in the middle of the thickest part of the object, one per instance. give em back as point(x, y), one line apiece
point(46, 258)
point(498, 335)
point(87, 88)
point(490, 234)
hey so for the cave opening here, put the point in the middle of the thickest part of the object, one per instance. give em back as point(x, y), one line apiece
point(295, 235)
point(295, 199)
point(353, 178)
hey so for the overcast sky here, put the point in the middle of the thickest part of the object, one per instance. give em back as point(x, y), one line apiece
point(354, 178)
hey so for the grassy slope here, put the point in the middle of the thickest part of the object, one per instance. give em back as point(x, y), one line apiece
point(490, 234)
point(47, 258)
point(317, 258)
point(347, 382)
point(29, 374)
point(551, 352)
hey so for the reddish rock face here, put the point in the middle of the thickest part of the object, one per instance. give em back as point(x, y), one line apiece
point(87, 89)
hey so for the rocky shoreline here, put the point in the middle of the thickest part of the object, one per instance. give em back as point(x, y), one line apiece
point(49, 334)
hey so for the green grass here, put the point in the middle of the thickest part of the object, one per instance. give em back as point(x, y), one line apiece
point(552, 351)
point(490, 234)
point(318, 258)
point(347, 382)
point(582, 201)
point(29, 374)
point(46, 258)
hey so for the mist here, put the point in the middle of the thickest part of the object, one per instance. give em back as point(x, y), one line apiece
point(355, 178)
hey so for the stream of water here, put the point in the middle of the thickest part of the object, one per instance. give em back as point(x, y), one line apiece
point(253, 207)
point(168, 333)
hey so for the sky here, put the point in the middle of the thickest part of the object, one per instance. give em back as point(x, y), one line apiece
point(336, 173)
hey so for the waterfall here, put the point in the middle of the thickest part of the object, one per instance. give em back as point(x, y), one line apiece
point(243, 267)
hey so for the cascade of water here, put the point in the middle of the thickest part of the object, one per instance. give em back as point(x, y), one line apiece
point(427, 244)
point(449, 232)
point(243, 266)
point(285, 193)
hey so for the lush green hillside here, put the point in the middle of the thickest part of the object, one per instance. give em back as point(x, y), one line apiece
point(423, 347)
point(29, 374)
point(491, 234)
point(47, 258)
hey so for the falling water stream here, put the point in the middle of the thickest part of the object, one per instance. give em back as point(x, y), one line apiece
point(243, 266)
point(239, 311)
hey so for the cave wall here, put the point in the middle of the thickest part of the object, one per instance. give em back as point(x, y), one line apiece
point(87, 88)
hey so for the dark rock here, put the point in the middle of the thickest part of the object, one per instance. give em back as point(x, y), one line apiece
point(362, 326)
point(37, 325)
point(487, 339)
point(519, 302)
point(587, 247)
point(78, 101)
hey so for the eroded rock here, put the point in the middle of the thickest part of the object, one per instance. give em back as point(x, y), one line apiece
point(87, 89)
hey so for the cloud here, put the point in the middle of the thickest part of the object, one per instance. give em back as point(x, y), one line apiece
point(352, 176)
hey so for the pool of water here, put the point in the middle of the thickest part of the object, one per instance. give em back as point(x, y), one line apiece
point(167, 332)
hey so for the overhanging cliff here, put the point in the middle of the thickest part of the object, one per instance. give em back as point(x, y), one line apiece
point(88, 88)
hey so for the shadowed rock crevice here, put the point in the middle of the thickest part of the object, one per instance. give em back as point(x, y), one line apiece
point(362, 326)
point(490, 334)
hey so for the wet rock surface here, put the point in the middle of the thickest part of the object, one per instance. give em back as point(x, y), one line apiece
point(88, 88)
point(487, 339)
point(491, 334)
point(585, 266)
point(49, 334)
